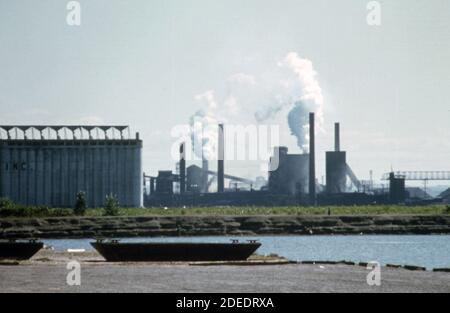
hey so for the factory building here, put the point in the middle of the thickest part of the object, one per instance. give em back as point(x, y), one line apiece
point(295, 174)
point(336, 166)
point(397, 191)
point(195, 179)
point(50, 170)
point(289, 173)
point(292, 181)
point(164, 182)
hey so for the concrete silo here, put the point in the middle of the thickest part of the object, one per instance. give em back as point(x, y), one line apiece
point(49, 170)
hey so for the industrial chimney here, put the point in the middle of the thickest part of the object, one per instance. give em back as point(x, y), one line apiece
point(312, 161)
point(205, 170)
point(183, 168)
point(220, 163)
point(152, 185)
point(336, 166)
point(337, 138)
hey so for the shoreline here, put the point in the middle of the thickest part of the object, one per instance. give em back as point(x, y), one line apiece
point(199, 226)
point(47, 272)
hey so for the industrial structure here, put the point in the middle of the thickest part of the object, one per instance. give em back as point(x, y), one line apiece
point(336, 166)
point(338, 170)
point(49, 165)
point(291, 181)
point(289, 173)
point(221, 160)
point(195, 179)
point(312, 160)
point(295, 174)
point(397, 190)
point(182, 168)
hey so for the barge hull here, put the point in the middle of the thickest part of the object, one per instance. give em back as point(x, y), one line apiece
point(175, 252)
point(19, 250)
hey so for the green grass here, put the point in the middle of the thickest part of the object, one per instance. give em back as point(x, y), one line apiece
point(237, 211)
point(11, 210)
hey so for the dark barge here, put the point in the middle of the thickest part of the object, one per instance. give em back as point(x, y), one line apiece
point(19, 250)
point(114, 251)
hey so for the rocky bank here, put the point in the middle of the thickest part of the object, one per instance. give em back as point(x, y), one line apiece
point(89, 227)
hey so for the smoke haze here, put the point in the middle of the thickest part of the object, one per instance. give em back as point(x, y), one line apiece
point(289, 87)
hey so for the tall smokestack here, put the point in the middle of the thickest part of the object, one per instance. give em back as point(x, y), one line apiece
point(205, 169)
point(152, 185)
point(337, 137)
point(183, 168)
point(312, 161)
point(221, 157)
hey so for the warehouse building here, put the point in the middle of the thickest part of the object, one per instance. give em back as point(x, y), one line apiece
point(49, 165)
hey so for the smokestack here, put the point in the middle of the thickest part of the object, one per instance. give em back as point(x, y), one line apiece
point(152, 185)
point(183, 168)
point(221, 160)
point(337, 137)
point(205, 169)
point(312, 161)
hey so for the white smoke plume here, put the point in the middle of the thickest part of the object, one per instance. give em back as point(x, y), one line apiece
point(298, 119)
point(204, 123)
point(290, 88)
point(309, 100)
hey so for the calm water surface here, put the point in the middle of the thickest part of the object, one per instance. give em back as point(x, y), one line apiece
point(428, 251)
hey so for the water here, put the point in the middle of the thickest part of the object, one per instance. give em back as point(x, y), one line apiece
point(428, 251)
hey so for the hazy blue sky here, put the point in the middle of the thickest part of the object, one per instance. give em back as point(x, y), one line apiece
point(143, 62)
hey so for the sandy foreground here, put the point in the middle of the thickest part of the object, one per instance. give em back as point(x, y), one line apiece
point(47, 272)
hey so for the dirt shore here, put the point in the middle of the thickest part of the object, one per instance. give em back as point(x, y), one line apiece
point(47, 272)
point(148, 226)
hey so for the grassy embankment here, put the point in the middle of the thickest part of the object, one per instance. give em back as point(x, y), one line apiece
point(232, 211)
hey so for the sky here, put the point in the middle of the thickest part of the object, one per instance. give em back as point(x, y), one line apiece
point(146, 63)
